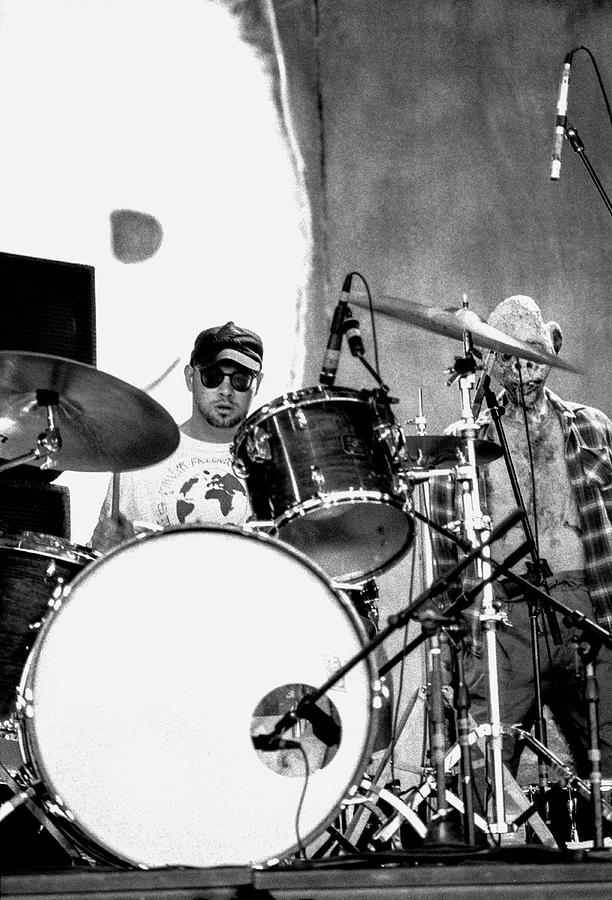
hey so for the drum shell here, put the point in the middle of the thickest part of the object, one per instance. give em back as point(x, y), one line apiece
point(33, 567)
point(317, 466)
point(138, 734)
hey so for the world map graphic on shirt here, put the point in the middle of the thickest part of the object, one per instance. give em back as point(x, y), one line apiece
point(220, 488)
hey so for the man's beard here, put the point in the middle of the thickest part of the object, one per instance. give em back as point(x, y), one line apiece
point(528, 393)
point(218, 421)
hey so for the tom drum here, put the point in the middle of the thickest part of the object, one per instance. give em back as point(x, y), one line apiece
point(318, 466)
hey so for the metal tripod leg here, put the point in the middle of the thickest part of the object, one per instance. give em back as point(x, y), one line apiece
point(358, 822)
point(512, 790)
point(23, 795)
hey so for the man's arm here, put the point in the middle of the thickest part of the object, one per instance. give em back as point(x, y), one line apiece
point(110, 532)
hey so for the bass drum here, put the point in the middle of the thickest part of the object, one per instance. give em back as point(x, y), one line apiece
point(142, 695)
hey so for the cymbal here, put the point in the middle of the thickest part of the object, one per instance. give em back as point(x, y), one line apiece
point(105, 424)
point(441, 449)
point(453, 321)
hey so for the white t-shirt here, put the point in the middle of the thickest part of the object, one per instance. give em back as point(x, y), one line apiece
point(194, 485)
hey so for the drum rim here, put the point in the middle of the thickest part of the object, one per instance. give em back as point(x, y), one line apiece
point(44, 544)
point(34, 761)
point(290, 400)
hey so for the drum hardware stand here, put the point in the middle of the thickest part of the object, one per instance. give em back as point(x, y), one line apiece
point(451, 616)
point(593, 636)
point(395, 622)
point(404, 811)
point(477, 530)
point(372, 787)
point(588, 650)
point(529, 812)
point(24, 792)
point(49, 441)
point(433, 625)
point(540, 570)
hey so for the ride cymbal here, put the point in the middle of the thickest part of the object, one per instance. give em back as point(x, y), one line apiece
point(105, 424)
point(454, 321)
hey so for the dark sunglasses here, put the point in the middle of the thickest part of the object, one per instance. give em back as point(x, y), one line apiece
point(240, 381)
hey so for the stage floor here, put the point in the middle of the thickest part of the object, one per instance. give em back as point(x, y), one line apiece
point(519, 873)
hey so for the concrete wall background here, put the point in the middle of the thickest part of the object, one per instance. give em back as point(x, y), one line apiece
point(437, 129)
point(431, 124)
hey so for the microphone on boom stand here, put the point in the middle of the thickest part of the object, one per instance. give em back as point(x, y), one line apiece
point(331, 357)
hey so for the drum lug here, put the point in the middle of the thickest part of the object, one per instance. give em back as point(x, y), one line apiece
point(300, 421)
point(401, 485)
point(52, 575)
point(258, 445)
point(24, 706)
point(318, 479)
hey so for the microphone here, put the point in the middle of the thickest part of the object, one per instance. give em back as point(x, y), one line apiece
point(353, 335)
point(483, 382)
point(331, 357)
point(269, 743)
point(560, 120)
point(324, 727)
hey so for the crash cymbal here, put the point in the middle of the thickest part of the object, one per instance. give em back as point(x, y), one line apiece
point(434, 450)
point(453, 321)
point(105, 424)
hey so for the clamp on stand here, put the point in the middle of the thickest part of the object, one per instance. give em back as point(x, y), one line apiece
point(49, 441)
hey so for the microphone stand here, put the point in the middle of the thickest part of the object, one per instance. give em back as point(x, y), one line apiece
point(395, 622)
point(578, 147)
point(540, 569)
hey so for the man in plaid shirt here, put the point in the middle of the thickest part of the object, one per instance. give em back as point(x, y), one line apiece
point(562, 454)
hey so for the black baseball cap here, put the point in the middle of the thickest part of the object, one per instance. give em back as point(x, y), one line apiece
point(229, 342)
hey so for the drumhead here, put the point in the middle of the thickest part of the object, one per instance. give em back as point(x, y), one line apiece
point(139, 698)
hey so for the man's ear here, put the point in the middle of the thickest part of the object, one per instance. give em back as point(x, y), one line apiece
point(188, 372)
point(556, 336)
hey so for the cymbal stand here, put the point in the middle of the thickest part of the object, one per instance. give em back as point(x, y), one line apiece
point(477, 530)
point(438, 830)
point(540, 569)
point(49, 441)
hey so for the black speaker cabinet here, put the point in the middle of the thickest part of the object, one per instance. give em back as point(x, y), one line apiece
point(48, 307)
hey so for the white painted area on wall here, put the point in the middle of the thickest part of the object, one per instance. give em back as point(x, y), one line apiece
point(159, 107)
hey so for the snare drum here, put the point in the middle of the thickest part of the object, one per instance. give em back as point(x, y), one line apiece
point(318, 467)
point(33, 569)
point(143, 691)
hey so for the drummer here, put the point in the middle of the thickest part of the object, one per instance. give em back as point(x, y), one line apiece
point(196, 484)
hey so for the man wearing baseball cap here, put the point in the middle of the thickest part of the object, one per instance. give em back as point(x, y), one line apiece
point(196, 484)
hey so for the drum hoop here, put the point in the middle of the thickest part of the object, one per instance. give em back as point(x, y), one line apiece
point(47, 545)
point(337, 498)
point(293, 400)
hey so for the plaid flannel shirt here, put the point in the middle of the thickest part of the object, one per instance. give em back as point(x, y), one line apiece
point(588, 456)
